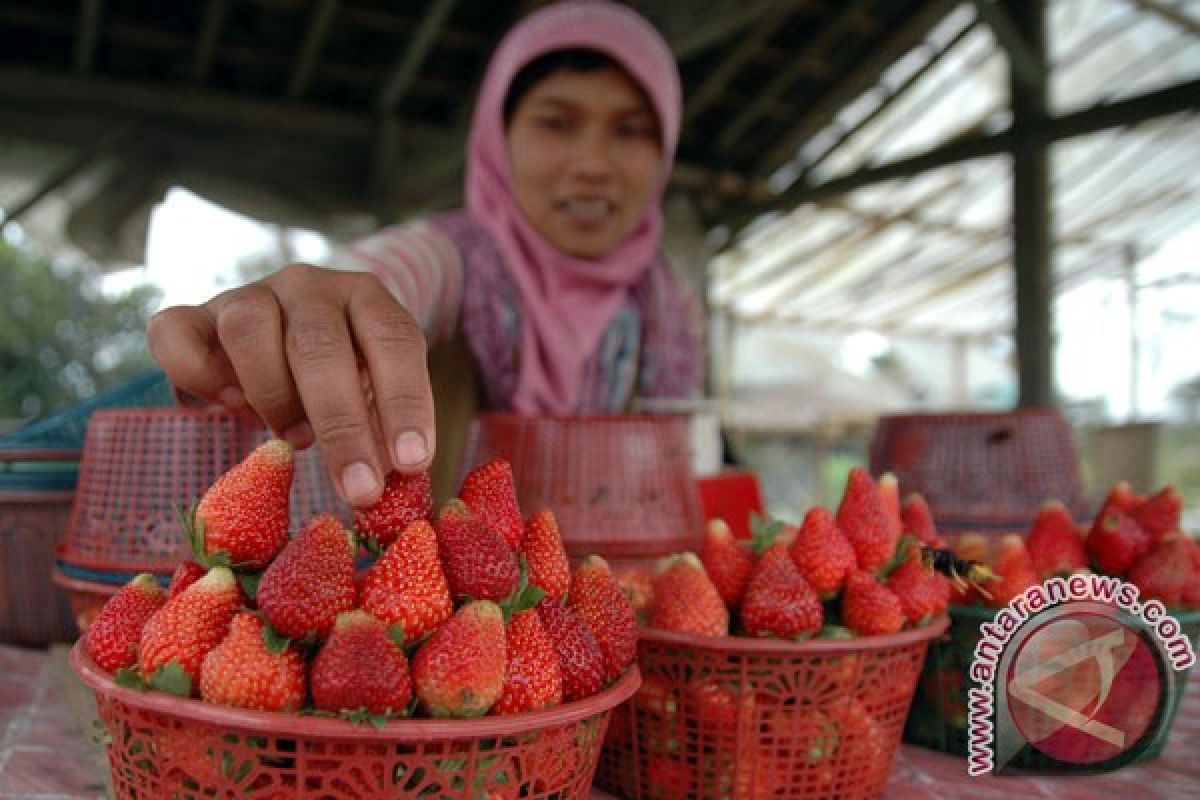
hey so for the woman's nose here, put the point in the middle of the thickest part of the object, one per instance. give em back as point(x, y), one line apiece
point(593, 155)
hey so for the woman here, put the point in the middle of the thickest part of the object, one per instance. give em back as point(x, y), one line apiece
point(550, 280)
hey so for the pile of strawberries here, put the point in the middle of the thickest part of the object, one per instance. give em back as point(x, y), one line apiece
point(858, 572)
point(473, 611)
point(1135, 537)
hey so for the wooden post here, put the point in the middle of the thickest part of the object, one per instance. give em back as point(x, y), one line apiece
point(1032, 257)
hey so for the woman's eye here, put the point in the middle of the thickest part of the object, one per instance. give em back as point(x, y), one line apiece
point(553, 123)
point(635, 130)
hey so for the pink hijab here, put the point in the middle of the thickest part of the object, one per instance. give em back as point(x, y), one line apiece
point(566, 302)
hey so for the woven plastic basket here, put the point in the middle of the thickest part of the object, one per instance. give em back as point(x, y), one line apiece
point(760, 718)
point(162, 746)
point(141, 466)
point(620, 486)
point(85, 597)
point(939, 716)
point(984, 471)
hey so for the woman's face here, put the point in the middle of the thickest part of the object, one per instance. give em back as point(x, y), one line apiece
point(584, 149)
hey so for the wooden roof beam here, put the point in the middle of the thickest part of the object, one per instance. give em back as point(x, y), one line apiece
point(206, 45)
point(1175, 15)
point(405, 70)
point(800, 64)
point(310, 51)
point(718, 29)
point(1025, 66)
point(88, 36)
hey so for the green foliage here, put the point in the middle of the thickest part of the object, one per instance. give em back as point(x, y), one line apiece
point(61, 339)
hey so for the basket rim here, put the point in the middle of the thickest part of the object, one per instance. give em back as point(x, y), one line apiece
point(748, 645)
point(80, 585)
point(289, 724)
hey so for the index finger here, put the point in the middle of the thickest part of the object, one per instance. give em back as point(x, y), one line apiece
point(184, 342)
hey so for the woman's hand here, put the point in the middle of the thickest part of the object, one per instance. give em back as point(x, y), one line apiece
point(320, 355)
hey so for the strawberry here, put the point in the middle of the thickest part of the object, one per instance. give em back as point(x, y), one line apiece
point(917, 519)
point(779, 602)
point(479, 564)
point(1165, 571)
point(533, 677)
point(1190, 596)
point(243, 673)
point(489, 491)
point(187, 573)
point(1160, 513)
point(726, 561)
point(822, 553)
point(112, 639)
point(360, 667)
point(459, 670)
point(638, 587)
point(869, 607)
point(862, 745)
point(311, 581)
point(406, 587)
point(1122, 498)
point(405, 498)
point(889, 496)
point(189, 625)
point(1055, 543)
point(1015, 569)
point(923, 593)
point(1116, 541)
point(596, 599)
point(861, 516)
point(686, 601)
point(579, 654)
point(244, 514)
point(545, 556)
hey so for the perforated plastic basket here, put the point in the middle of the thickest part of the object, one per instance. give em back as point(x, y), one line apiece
point(162, 746)
point(141, 466)
point(85, 597)
point(982, 471)
point(620, 486)
point(760, 718)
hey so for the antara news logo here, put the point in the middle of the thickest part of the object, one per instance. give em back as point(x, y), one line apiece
point(1080, 672)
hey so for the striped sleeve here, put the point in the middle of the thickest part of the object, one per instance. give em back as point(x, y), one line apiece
point(420, 266)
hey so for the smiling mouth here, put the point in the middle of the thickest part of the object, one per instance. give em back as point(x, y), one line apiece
point(587, 211)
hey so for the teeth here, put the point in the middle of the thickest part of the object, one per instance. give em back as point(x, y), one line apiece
point(588, 208)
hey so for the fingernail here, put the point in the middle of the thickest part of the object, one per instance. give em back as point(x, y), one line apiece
point(232, 397)
point(410, 449)
point(359, 482)
point(299, 435)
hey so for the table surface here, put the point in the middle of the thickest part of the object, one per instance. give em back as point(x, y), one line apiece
point(45, 753)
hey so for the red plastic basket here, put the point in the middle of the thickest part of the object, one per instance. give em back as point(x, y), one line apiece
point(752, 718)
point(141, 466)
point(162, 746)
point(620, 486)
point(86, 598)
point(982, 471)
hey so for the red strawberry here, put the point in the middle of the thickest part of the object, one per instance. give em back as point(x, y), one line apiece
point(727, 562)
point(1190, 597)
point(1122, 498)
point(1165, 571)
point(112, 639)
point(406, 586)
point(405, 498)
point(779, 602)
point(917, 519)
point(1055, 543)
point(1160, 513)
point(243, 673)
point(1116, 541)
point(822, 553)
point(862, 745)
point(190, 624)
point(869, 607)
point(579, 654)
point(245, 513)
point(596, 599)
point(686, 601)
point(489, 491)
point(861, 516)
point(1015, 569)
point(923, 593)
point(889, 495)
point(311, 581)
point(360, 667)
point(638, 587)
point(479, 564)
point(459, 670)
point(187, 573)
point(545, 556)
point(533, 677)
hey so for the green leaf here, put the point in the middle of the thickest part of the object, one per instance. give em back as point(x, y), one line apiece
point(835, 632)
point(527, 599)
point(171, 678)
point(276, 641)
point(249, 582)
point(763, 531)
point(396, 633)
point(900, 555)
point(369, 543)
point(362, 716)
point(130, 678)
